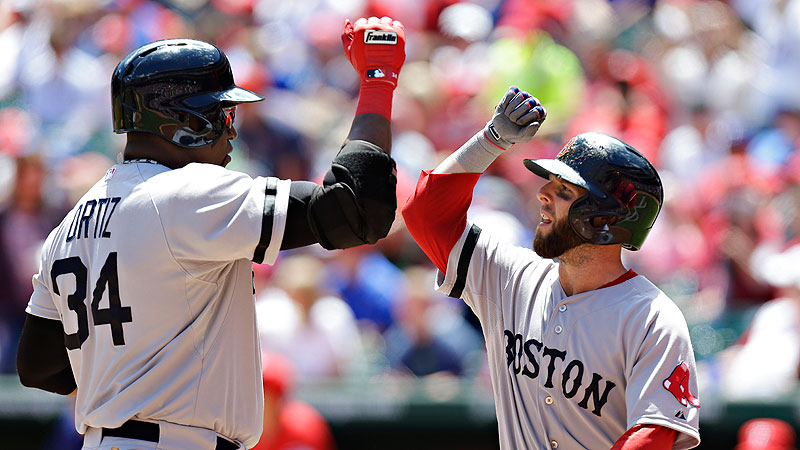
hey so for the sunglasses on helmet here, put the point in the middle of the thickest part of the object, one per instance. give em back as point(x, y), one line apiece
point(228, 115)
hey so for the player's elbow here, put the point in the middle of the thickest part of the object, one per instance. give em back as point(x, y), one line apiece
point(358, 201)
point(28, 377)
point(424, 218)
point(340, 219)
point(412, 215)
point(61, 382)
point(42, 360)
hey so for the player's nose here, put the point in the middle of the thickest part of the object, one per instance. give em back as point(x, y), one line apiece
point(232, 133)
point(545, 194)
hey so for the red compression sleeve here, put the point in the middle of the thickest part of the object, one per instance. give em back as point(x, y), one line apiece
point(436, 213)
point(646, 437)
point(375, 98)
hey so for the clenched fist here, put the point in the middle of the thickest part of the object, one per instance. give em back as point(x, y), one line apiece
point(516, 119)
point(376, 48)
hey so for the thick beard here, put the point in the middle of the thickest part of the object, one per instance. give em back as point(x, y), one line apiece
point(561, 239)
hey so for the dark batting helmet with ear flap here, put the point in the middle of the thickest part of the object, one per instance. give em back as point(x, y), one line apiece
point(177, 89)
point(623, 190)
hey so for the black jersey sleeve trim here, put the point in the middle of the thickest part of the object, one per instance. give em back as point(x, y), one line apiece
point(266, 220)
point(463, 261)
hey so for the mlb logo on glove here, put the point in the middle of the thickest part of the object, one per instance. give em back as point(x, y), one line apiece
point(378, 73)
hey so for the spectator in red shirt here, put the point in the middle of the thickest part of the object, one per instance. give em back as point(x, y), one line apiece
point(766, 434)
point(289, 424)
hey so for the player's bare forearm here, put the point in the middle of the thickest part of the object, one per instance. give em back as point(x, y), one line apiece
point(372, 128)
point(450, 165)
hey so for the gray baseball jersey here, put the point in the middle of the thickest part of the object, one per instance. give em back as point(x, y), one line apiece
point(151, 276)
point(573, 372)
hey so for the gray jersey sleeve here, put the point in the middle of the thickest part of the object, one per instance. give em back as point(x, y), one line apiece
point(576, 370)
point(209, 213)
point(41, 303)
point(482, 271)
point(662, 381)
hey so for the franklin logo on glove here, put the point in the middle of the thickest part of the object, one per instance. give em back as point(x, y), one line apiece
point(380, 37)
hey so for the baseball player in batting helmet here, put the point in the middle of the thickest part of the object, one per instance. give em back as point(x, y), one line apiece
point(584, 353)
point(143, 307)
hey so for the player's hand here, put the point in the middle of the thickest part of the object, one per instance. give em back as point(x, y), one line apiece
point(517, 118)
point(376, 48)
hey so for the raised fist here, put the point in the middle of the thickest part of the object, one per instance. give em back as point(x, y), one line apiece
point(516, 119)
point(376, 48)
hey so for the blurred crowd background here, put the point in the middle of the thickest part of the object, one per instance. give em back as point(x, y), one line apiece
point(708, 90)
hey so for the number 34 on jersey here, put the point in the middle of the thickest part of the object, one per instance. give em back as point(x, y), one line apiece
point(91, 221)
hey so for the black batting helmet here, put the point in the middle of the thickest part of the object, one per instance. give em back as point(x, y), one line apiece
point(176, 88)
point(623, 190)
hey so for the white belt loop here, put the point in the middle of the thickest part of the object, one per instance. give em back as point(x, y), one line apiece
point(92, 438)
point(181, 436)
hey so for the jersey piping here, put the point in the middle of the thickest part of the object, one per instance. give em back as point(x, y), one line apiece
point(463, 261)
point(280, 209)
point(266, 220)
point(621, 279)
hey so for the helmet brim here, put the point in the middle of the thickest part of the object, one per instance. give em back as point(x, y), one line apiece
point(234, 95)
point(546, 167)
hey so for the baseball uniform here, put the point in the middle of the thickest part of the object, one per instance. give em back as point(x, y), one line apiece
point(146, 275)
point(568, 372)
point(144, 300)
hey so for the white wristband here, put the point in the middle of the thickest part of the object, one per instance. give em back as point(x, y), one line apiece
point(477, 154)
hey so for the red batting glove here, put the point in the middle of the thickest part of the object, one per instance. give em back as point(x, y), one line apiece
point(376, 48)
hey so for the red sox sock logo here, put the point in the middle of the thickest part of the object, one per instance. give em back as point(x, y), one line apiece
point(678, 385)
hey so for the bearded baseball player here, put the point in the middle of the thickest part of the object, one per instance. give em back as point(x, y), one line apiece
point(144, 303)
point(584, 353)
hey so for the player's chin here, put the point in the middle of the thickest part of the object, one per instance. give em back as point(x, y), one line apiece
point(538, 233)
point(542, 237)
point(544, 227)
point(227, 159)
